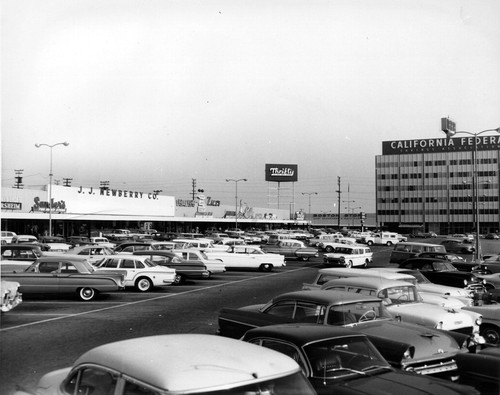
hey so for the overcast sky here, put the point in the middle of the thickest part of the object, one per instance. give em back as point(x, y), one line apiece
point(152, 94)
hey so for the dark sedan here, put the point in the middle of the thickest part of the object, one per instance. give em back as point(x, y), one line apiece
point(481, 370)
point(407, 346)
point(339, 361)
point(184, 269)
point(61, 275)
point(443, 272)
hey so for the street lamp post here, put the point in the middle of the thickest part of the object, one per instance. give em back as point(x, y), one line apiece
point(50, 179)
point(236, 199)
point(309, 193)
point(475, 183)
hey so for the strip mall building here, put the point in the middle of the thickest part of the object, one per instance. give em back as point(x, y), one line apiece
point(428, 185)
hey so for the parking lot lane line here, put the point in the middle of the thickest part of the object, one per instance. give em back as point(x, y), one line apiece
point(146, 300)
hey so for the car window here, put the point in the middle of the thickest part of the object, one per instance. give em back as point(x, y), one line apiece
point(284, 348)
point(91, 381)
point(132, 388)
point(7, 253)
point(128, 264)
point(111, 263)
point(68, 267)
point(48, 267)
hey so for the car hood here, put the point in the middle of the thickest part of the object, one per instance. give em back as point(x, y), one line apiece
point(430, 344)
point(392, 383)
point(456, 302)
point(443, 289)
point(430, 315)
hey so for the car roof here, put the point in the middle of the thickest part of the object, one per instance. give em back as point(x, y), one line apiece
point(62, 258)
point(371, 282)
point(191, 362)
point(330, 297)
point(155, 252)
point(301, 334)
point(125, 256)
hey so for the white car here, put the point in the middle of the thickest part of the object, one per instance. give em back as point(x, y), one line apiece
point(214, 266)
point(102, 241)
point(248, 257)
point(177, 364)
point(403, 300)
point(424, 285)
point(331, 245)
point(140, 272)
point(349, 256)
point(11, 297)
point(55, 244)
point(7, 236)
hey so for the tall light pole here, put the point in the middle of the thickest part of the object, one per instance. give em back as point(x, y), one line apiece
point(236, 199)
point(309, 193)
point(475, 189)
point(50, 179)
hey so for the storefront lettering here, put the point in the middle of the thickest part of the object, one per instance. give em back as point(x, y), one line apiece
point(40, 205)
point(121, 193)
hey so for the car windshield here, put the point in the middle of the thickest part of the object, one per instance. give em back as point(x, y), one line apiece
point(149, 262)
point(444, 266)
point(347, 356)
point(398, 295)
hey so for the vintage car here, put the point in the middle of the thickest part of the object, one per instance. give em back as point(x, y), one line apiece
point(492, 263)
point(403, 300)
point(6, 236)
point(214, 266)
point(247, 257)
point(184, 269)
point(18, 239)
point(443, 272)
point(341, 362)
point(424, 285)
point(62, 275)
point(93, 252)
point(140, 272)
point(77, 241)
point(11, 295)
point(332, 245)
point(327, 274)
point(481, 370)
point(291, 249)
point(462, 246)
point(55, 243)
point(407, 346)
point(102, 241)
point(448, 256)
point(19, 256)
point(160, 365)
point(490, 328)
point(349, 256)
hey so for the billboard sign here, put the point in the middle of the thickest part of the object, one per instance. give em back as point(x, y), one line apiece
point(281, 173)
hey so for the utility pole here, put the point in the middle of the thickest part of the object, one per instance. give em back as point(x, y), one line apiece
point(339, 192)
point(193, 184)
point(19, 179)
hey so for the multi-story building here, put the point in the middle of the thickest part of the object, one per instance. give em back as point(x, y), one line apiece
point(428, 185)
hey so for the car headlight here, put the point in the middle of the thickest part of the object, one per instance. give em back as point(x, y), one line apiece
point(479, 320)
point(465, 282)
point(439, 325)
point(408, 354)
point(483, 281)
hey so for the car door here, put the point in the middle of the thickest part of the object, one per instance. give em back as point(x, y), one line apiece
point(45, 280)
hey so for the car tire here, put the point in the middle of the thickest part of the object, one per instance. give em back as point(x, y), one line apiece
point(348, 264)
point(388, 244)
point(266, 267)
point(369, 243)
point(143, 284)
point(491, 334)
point(304, 258)
point(86, 294)
point(179, 279)
point(329, 249)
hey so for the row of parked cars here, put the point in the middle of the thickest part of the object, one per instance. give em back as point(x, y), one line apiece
point(413, 330)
